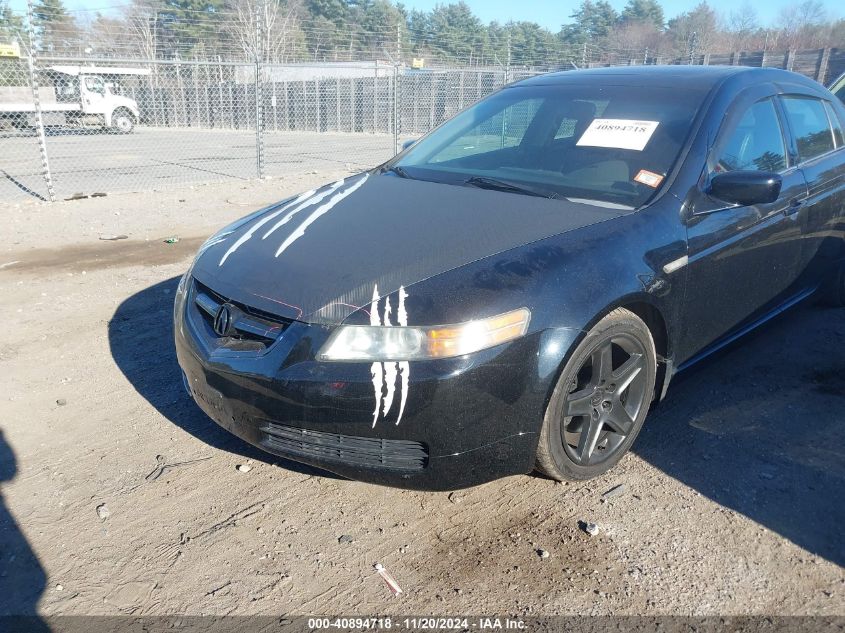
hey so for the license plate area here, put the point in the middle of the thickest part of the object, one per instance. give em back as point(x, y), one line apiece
point(210, 401)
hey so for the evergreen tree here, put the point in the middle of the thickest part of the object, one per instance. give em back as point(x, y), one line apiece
point(693, 31)
point(191, 26)
point(379, 23)
point(595, 19)
point(11, 24)
point(530, 44)
point(56, 31)
point(457, 33)
point(593, 22)
point(645, 11)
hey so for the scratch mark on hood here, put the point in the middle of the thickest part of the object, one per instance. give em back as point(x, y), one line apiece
point(243, 239)
point(212, 241)
point(317, 213)
point(390, 369)
point(404, 367)
point(376, 369)
point(385, 374)
point(304, 205)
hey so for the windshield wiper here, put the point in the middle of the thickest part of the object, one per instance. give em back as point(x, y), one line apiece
point(483, 182)
point(396, 169)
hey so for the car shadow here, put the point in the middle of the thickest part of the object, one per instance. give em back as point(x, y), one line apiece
point(757, 429)
point(22, 578)
point(141, 342)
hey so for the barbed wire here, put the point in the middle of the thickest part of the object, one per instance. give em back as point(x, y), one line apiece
point(306, 38)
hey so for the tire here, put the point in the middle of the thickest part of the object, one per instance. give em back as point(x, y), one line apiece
point(833, 292)
point(592, 417)
point(122, 121)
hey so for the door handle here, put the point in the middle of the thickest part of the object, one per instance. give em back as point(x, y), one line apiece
point(793, 207)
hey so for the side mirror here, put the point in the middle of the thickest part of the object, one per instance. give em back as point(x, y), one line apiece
point(746, 187)
point(408, 143)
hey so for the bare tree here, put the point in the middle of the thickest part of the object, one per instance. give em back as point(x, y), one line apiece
point(633, 40)
point(803, 25)
point(142, 20)
point(741, 27)
point(105, 36)
point(264, 29)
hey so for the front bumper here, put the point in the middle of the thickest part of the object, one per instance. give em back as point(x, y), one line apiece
point(465, 421)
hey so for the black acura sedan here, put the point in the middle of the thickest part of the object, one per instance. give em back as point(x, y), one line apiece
point(514, 290)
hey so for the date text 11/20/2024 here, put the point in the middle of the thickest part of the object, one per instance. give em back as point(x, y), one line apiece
point(417, 623)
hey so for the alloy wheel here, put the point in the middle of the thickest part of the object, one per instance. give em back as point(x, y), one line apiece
point(604, 399)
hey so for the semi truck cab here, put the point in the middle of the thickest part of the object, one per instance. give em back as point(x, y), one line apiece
point(96, 98)
point(75, 95)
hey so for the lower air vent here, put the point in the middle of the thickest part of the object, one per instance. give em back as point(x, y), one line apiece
point(346, 449)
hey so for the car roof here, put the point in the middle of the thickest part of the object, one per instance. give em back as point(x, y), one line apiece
point(702, 77)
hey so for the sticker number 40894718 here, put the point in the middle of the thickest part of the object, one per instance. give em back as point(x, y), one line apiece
point(618, 134)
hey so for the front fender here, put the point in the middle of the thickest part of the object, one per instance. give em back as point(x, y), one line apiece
point(569, 282)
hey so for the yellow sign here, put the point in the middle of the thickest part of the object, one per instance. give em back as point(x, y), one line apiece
point(10, 50)
point(418, 62)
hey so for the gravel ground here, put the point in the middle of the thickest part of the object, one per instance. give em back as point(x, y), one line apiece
point(120, 497)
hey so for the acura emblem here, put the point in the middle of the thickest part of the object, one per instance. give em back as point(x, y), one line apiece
point(224, 320)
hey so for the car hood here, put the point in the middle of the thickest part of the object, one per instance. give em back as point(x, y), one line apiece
point(317, 257)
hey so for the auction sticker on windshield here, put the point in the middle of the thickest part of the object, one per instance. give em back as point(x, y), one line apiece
point(618, 134)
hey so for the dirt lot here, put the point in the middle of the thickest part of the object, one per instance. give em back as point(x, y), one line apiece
point(119, 496)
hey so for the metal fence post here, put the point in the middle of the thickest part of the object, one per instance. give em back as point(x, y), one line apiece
point(375, 98)
point(259, 101)
point(396, 95)
point(39, 118)
point(824, 60)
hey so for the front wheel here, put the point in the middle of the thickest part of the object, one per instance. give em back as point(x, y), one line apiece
point(122, 121)
point(600, 401)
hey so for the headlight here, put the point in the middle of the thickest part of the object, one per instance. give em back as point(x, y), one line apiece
point(181, 293)
point(386, 343)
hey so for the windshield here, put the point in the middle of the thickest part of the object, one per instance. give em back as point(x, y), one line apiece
point(611, 145)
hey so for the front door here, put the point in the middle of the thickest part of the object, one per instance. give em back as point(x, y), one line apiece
point(743, 260)
point(93, 94)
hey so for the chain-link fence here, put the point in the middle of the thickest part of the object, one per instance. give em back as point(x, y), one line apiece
point(82, 126)
point(144, 125)
point(119, 126)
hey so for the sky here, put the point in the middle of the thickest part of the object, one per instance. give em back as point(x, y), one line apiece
point(553, 13)
point(548, 13)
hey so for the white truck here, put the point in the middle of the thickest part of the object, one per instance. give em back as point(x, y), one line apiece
point(80, 95)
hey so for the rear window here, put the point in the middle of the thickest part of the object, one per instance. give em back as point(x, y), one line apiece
point(838, 89)
point(810, 126)
point(605, 144)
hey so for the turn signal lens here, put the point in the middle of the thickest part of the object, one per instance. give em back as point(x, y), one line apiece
point(386, 343)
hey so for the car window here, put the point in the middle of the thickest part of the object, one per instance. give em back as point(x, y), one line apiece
point(838, 88)
point(600, 143)
point(569, 126)
point(505, 129)
point(808, 121)
point(95, 84)
point(835, 124)
point(756, 142)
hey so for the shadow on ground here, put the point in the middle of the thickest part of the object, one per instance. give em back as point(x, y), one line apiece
point(22, 578)
point(141, 342)
point(756, 429)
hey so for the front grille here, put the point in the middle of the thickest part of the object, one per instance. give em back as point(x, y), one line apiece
point(346, 449)
point(253, 329)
